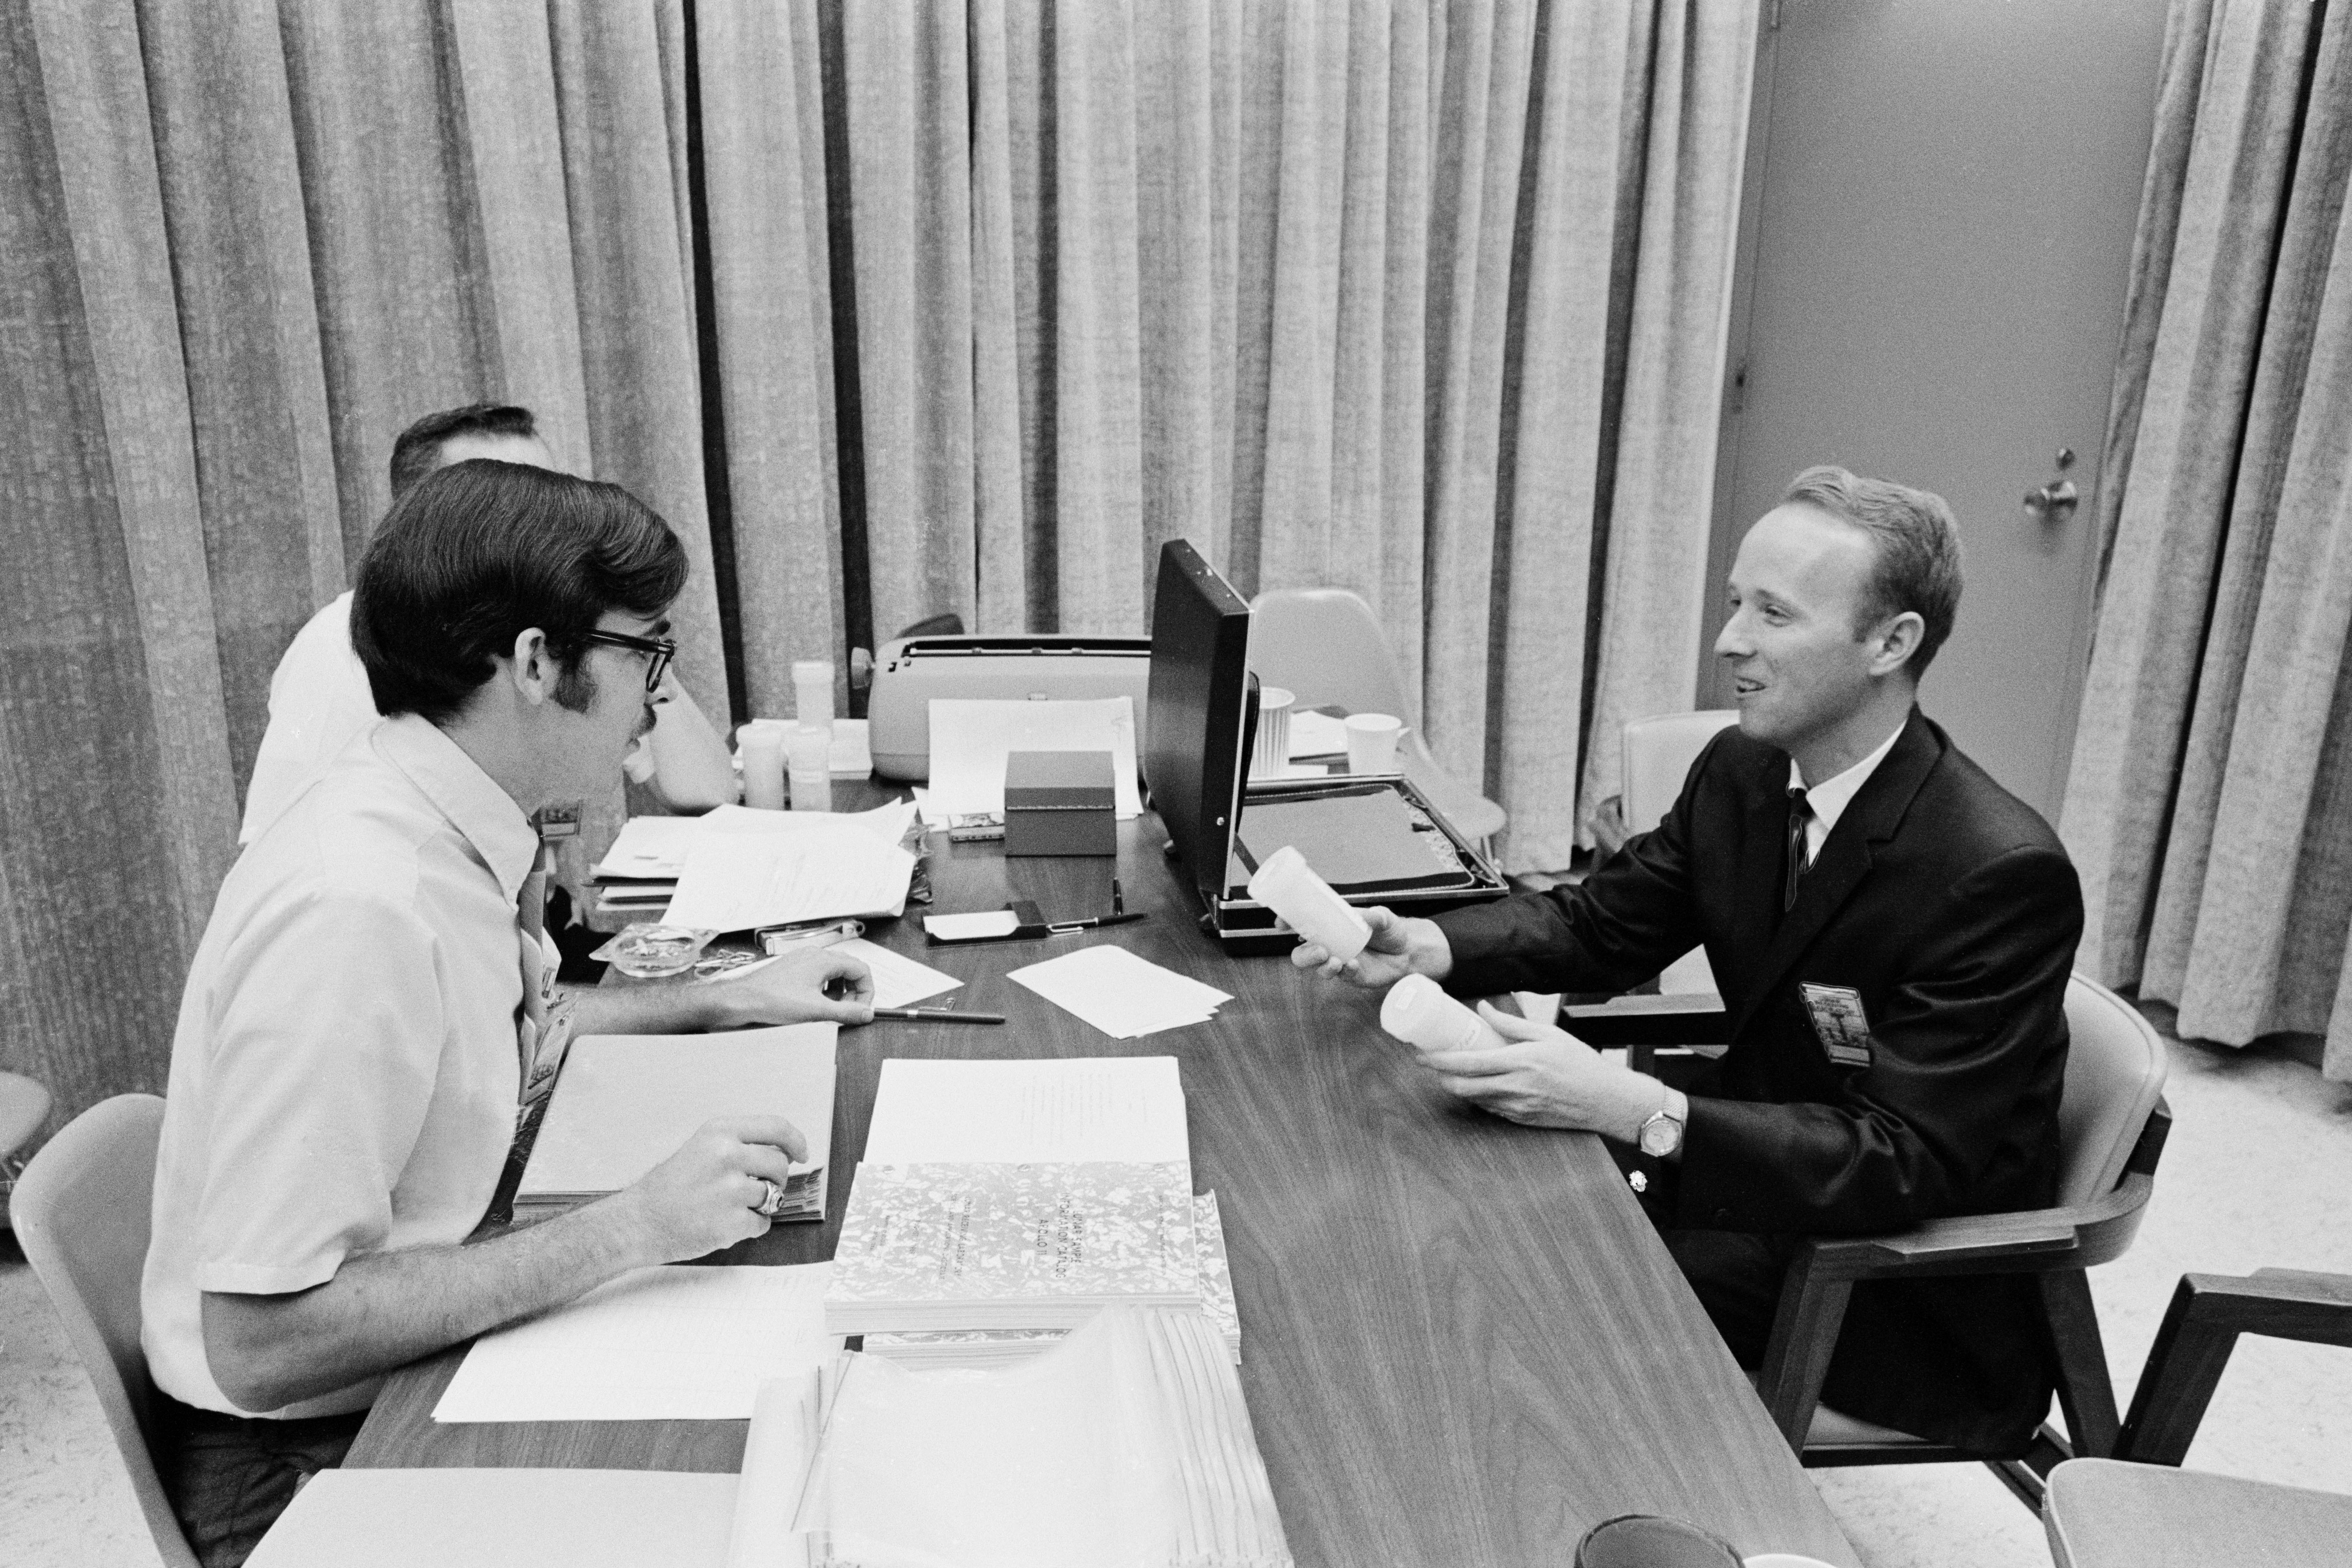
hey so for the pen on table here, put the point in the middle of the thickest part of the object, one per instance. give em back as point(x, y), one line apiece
point(938, 1016)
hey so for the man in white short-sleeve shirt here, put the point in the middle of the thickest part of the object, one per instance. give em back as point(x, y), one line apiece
point(319, 696)
point(347, 1065)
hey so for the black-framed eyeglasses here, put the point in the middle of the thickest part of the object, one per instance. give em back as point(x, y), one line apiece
point(663, 650)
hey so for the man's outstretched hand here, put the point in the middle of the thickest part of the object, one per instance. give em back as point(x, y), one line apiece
point(1399, 947)
point(1542, 1075)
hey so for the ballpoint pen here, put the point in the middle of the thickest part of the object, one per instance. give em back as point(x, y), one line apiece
point(938, 1016)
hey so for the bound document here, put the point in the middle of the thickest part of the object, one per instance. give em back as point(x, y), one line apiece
point(625, 1102)
point(1012, 1246)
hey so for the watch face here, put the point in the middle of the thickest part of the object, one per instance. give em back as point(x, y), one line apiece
point(1661, 1136)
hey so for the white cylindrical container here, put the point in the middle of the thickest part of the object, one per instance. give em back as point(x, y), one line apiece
point(1288, 886)
point(1271, 760)
point(764, 764)
point(1372, 743)
point(809, 752)
point(813, 691)
point(1418, 1011)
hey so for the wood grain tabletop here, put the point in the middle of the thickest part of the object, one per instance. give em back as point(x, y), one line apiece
point(1462, 1343)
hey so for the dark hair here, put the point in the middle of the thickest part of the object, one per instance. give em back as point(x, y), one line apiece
point(1916, 543)
point(481, 552)
point(416, 451)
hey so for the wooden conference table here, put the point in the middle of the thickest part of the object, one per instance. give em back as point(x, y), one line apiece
point(1461, 1340)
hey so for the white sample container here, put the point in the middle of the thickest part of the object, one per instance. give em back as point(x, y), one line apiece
point(812, 692)
point(1418, 1011)
point(1288, 886)
point(808, 752)
point(763, 743)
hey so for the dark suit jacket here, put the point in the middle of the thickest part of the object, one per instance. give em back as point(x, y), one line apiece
point(1951, 906)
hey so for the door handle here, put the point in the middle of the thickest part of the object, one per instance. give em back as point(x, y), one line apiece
point(2053, 502)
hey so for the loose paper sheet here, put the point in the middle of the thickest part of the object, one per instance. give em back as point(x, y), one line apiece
point(673, 1343)
point(1314, 734)
point(1125, 1110)
point(971, 738)
point(736, 879)
point(899, 981)
point(974, 927)
point(652, 847)
point(504, 1519)
point(1119, 993)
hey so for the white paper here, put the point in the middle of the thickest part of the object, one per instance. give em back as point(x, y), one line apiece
point(899, 981)
point(776, 1455)
point(851, 757)
point(969, 740)
point(650, 846)
point(673, 1343)
point(1121, 994)
point(504, 1519)
point(738, 878)
point(1314, 734)
point(653, 847)
point(1127, 1110)
point(625, 1102)
point(971, 927)
point(934, 816)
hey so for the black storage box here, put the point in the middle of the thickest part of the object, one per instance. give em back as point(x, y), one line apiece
point(1060, 803)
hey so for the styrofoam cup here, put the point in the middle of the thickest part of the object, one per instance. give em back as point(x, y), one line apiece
point(1372, 743)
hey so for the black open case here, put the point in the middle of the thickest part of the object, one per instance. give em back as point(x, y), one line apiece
point(1200, 729)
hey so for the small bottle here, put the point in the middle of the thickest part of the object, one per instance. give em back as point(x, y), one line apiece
point(812, 692)
point(764, 764)
point(808, 753)
point(1418, 1011)
point(1288, 886)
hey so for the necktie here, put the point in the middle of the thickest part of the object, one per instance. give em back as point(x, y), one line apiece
point(1800, 814)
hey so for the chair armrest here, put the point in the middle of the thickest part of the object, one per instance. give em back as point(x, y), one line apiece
point(2200, 1328)
point(2029, 1241)
point(1677, 1019)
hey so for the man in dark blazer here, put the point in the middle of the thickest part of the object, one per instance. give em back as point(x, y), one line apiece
point(1892, 933)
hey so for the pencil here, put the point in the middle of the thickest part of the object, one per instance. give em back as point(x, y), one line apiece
point(938, 1016)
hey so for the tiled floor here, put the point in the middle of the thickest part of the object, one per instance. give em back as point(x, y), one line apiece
point(2258, 1172)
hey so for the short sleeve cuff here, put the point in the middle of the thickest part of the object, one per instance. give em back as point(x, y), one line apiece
point(266, 1279)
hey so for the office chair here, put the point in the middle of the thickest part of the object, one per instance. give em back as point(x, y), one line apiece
point(81, 1212)
point(2112, 1123)
point(2139, 1508)
point(1323, 646)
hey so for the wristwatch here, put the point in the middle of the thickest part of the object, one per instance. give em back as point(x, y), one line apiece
point(1662, 1134)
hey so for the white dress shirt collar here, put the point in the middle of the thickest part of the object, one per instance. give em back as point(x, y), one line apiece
point(474, 802)
point(1830, 798)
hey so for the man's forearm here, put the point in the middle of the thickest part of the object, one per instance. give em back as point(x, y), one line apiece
point(384, 1309)
point(683, 1008)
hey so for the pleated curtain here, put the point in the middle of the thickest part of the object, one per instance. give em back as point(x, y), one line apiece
point(1423, 301)
point(890, 308)
point(2209, 806)
point(241, 246)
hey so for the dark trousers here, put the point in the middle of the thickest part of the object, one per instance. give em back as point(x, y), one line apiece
point(229, 1477)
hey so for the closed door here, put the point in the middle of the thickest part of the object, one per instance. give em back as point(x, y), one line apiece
point(1940, 207)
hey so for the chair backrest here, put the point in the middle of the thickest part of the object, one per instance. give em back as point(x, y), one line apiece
point(1325, 646)
point(1659, 752)
point(2114, 1075)
point(82, 1211)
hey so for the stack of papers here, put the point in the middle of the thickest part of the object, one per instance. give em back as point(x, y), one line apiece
point(971, 739)
point(625, 1103)
point(1130, 1443)
point(639, 874)
point(984, 1348)
point(1012, 1246)
point(1121, 994)
point(1314, 734)
point(738, 878)
point(999, 1200)
point(673, 1343)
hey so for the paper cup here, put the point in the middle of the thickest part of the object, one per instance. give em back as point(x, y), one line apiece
point(1651, 1541)
point(1272, 758)
point(1372, 743)
point(763, 743)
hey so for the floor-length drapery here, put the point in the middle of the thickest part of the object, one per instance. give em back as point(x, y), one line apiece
point(2209, 806)
point(962, 305)
point(243, 246)
point(1329, 288)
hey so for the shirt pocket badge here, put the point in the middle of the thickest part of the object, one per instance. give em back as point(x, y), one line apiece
point(1838, 1022)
